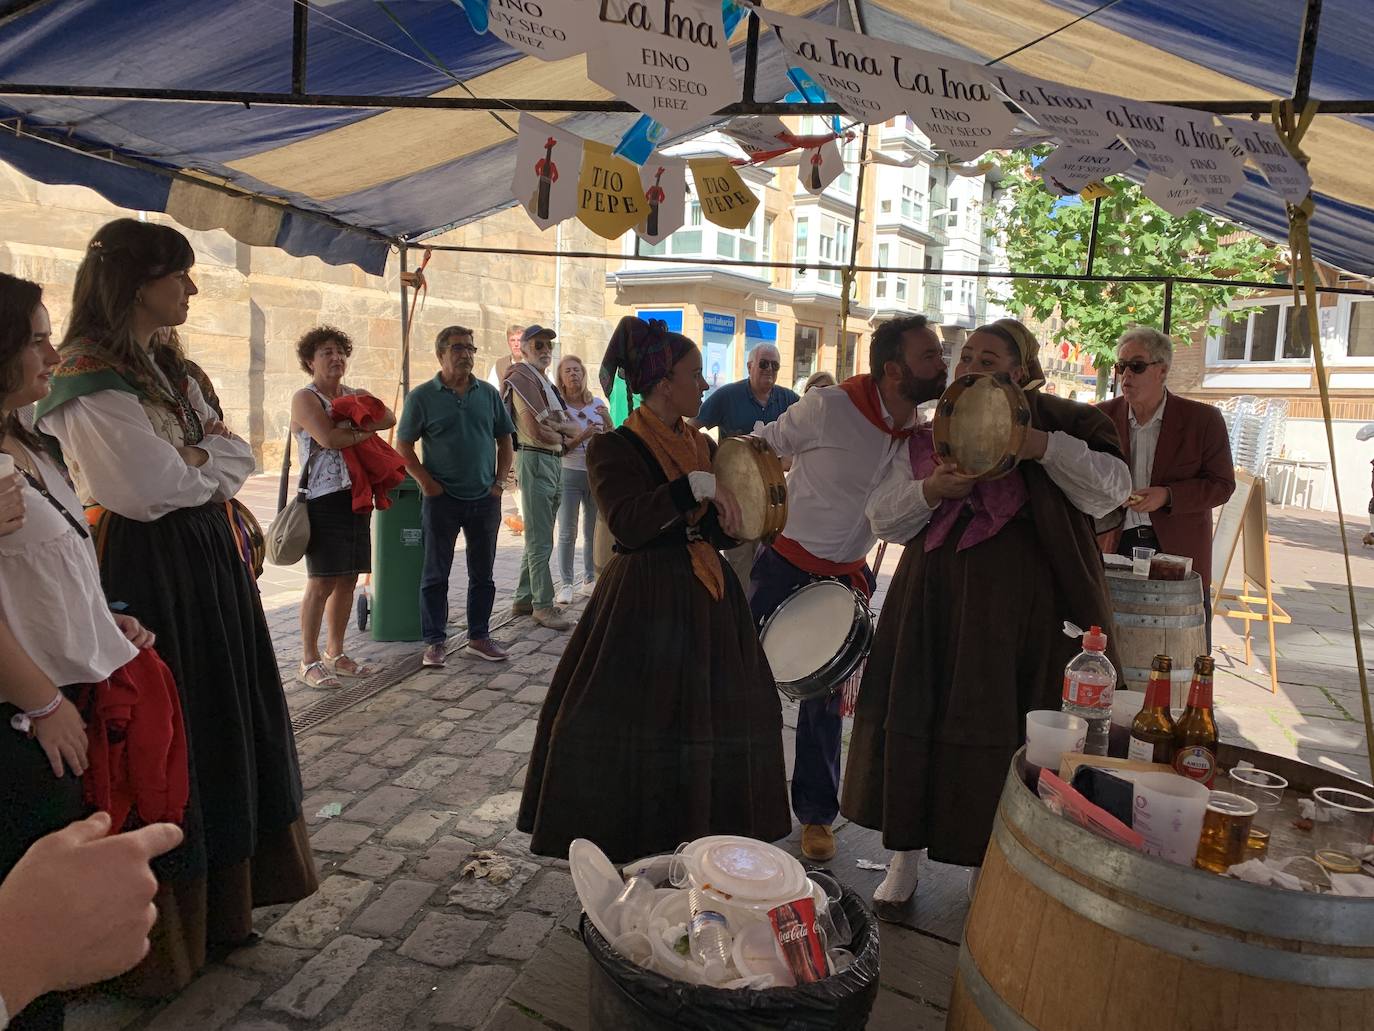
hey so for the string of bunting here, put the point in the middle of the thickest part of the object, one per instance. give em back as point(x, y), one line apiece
point(671, 60)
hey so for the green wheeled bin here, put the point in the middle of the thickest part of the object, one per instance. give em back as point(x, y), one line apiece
point(398, 558)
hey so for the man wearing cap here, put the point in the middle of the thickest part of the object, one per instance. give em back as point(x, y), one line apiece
point(540, 421)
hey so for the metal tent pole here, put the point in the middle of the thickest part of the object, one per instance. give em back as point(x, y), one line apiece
point(1092, 235)
point(300, 20)
point(405, 324)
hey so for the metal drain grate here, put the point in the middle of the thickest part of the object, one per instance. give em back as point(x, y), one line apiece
point(344, 699)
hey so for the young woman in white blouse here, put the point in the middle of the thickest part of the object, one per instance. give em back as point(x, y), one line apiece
point(589, 414)
point(57, 633)
point(153, 466)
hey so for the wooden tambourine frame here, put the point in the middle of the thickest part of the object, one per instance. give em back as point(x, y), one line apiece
point(962, 401)
point(1244, 516)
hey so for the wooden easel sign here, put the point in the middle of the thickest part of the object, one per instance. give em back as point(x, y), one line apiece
point(1244, 517)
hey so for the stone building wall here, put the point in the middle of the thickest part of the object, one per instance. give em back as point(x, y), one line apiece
point(255, 302)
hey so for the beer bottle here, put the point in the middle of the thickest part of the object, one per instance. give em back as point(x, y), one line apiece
point(1195, 734)
point(1152, 730)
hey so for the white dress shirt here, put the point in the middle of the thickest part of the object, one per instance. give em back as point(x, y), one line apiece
point(1144, 442)
point(50, 594)
point(119, 462)
point(1093, 481)
point(838, 459)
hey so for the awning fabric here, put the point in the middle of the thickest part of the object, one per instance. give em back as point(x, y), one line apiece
point(342, 183)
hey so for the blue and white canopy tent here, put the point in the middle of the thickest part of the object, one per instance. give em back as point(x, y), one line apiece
point(342, 128)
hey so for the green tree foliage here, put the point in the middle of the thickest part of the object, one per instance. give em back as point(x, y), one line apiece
point(1135, 236)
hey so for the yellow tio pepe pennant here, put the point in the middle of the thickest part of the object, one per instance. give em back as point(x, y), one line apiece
point(724, 198)
point(610, 200)
point(1095, 189)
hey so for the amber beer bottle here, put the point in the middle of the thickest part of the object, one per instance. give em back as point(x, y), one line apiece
point(1152, 730)
point(1195, 734)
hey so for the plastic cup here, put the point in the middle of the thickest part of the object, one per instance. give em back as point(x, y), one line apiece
point(632, 908)
point(1168, 813)
point(1345, 823)
point(634, 946)
point(1265, 789)
point(1140, 561)
point(1049, 734)
point(1225, 830)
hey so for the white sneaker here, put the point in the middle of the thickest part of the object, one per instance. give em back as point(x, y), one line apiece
point(565, 595)
point(588, 586)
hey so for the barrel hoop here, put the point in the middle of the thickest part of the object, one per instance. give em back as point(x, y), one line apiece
point(1319, 971)
point(1192, 621)
point(991, 1005)
point(1311, 922)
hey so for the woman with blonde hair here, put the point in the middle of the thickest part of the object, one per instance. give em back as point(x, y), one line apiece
point(591, 416)
point(818, 379)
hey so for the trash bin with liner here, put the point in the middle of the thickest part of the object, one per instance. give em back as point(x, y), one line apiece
point(628, 997)
point(398, 559)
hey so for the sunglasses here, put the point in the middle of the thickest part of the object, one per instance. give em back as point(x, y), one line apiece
point(542, 345)
point(768, 365)
point(1136, 366)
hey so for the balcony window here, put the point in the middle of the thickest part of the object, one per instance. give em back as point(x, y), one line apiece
point(806, 345)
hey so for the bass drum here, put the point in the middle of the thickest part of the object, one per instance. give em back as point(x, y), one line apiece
point(816, 639)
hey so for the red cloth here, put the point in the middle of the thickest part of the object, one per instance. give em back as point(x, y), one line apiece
point(1192, 459)
point(137, 751)
point(864, 393)
point(809, 563)
point(373, 465)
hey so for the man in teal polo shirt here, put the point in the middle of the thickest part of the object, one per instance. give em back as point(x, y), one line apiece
point(467, 457)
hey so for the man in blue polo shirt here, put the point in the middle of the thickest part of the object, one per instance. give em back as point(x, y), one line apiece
point(467, 456)
point(736, 408)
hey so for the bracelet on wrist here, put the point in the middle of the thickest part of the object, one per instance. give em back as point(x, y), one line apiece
point(47, 710)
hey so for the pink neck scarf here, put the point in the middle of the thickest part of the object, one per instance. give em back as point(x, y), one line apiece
point(994, 502)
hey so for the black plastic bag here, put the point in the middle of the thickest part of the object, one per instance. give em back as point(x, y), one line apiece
point(626, 997)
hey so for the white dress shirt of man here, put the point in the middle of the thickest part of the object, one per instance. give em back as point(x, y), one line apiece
point(841, 441)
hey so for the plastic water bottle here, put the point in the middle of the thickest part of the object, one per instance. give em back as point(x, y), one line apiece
point(1089, 683)
point(708, 935)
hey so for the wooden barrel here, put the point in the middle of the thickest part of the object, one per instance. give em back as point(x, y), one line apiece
point(1158, 617)
point(1071, 932)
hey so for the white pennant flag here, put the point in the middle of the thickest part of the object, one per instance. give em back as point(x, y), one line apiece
point(820, 167)
point(665, 195)
point(757, 134)
point(1176, 196)
point(854, 70)
point(1067, 170)
point(1214, 163)
point(954, 103)
point(669, 58)
point(547, 163)
point(1153, 132)
point(1077, 116)
point(1283, 171)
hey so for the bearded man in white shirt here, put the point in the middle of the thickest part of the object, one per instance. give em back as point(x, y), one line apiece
point(840, 440)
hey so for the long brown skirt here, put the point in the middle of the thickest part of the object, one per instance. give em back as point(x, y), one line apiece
point(662, 723)
point(968, 642)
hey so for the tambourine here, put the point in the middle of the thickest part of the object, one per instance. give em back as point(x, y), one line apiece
point(756, 478)
point(980, 424)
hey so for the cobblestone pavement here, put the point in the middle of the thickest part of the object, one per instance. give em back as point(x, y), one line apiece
point(427, 772)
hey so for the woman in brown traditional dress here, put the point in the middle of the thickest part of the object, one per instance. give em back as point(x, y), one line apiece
point(154, 467)
point(663, 722)
point(970, 634)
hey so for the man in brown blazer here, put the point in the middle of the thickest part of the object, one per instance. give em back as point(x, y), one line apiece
point(1180, 458)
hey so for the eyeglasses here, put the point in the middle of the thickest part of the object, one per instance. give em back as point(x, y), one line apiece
point(1137, 366)
point(462, 349)
point(768, 365)
point(542, 345)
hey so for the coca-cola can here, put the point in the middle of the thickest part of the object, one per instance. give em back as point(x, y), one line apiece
point(794, 926)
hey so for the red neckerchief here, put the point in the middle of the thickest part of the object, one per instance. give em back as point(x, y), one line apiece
point(864, 393)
